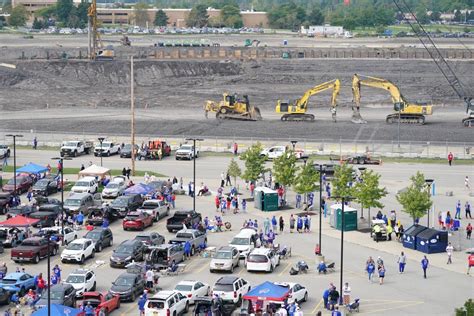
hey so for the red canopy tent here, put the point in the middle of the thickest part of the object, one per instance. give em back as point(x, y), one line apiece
point(19, 221)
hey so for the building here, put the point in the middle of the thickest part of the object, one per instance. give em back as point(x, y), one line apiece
point(323, 30)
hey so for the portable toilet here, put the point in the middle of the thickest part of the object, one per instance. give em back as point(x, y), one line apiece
point(266, 199)
point(409, 236)
point(432, 241)
point(350, 217)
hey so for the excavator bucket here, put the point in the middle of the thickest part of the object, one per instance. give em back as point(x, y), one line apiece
point(357, 118)
point(255, 113)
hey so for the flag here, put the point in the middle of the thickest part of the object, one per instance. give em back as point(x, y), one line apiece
point(347, 2)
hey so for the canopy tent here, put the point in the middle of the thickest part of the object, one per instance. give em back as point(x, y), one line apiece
point(94, 171)
point(19, 221)
point(139, 188)
point(32, 168)
point(58, 310)
point(268, 291)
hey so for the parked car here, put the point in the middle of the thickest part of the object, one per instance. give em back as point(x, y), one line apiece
point(86, 185)
point(278, 151)
point(33, 249)
point(68, 235)
point(79, 202)
point(137, 221)
point(150, 239)
point(78, 251)
point(127, 203)
point(102, 301)
point(155, 208)
point(46, 218)
point(262, 259)
point(23, 210)
point(192, 289)
point(126, 151)
point(298, 293)
point(165, 255)
point(195, 237)
point(6, 198)
point(126, 252)
point(7, 236)
point(186, 151)
point(114, 188)
point(62, 294)
point(83, 280)
point(226, 258)
point(98, 214)
point(180, 218)
point(45, 187)
point(231, 288)
point(166, 303)
point(362, 160)
point(128, 286)
point(23, 183)
point(102, 237)
point(75, 148)
point(107, 149)
point(4, 297)
point(245, 241)
point(18, 282)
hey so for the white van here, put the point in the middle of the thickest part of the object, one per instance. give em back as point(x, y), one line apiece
point(85, 185)
point(262, 259)
point(245, 241)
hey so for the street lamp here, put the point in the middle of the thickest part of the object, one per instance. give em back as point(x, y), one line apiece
point(343, 224)
point(429, 182)
point(305, 159)
point(362, 169)
point(194, 168)
point(14, 159)
point(293, 142)
point(320, 204)
point(61, 162)
point(101, 140)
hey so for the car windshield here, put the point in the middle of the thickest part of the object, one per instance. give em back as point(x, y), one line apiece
point(124, 249)
point(70, 144)
point(183, 287)
point(81, 184)
point(240, 241)
point(72, 202)
point(93, 235)
point(127, 147)
point(55, 295)
point(223, 255)
point(112, 185)
point(142, 238)
point(75, 279)
point(8, 281)
point(149, 206)
point(186, 147)
point(257, 258)
point(12, 181)
point(184, 235)
point(31, 243)
point(75, 246)
point(124, 282)
point(41, 184)
point(119, 202)
point(223, 287)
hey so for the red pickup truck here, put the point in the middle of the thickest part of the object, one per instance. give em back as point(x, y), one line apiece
point(102, 301)
point(33, 249)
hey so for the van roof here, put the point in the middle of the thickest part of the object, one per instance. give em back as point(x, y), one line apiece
point(260, 251)
point(246, 233)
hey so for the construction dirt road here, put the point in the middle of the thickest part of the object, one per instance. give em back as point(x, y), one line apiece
point(82, 96)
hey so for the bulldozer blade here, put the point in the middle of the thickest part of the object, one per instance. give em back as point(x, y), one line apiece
point(255, 114)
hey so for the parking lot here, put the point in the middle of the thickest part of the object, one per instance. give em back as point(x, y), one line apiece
point(402, 294)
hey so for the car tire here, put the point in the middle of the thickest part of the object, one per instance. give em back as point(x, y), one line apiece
point(93, 253)
point(186, 308)
point(55, 251)
point(108, 154)
point(271, 268)
point(36, 259)
point(99, 249)
point(83, 259)
point(75, 153)
point(132, 297)
point(232, 269)
point(94, 286)
point(305, 298)
point(118, 304)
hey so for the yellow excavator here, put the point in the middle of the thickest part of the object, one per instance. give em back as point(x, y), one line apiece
point(296, 111)
point(96, 47)
point(405, 111)
point(232, 107)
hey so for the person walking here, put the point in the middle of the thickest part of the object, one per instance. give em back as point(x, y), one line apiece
point(227, 179)
point(35, 143)
point(274, 223)
point(467, 209)
point(449, 251)
point(458, 210)
point(450, 158)
point(141, 305)
point(402, 260)
point(266, 226)
point(236, 148)
point(281, 222)
point(470, 262)
point(424, 265)
point(389, 232)
point(346, 294)
point(187, 249)
point(466, 183)
point(244, 205)
point(326, 298)
point(381, 271)
point(370, 270)
point(468, 231)
point(292, 223)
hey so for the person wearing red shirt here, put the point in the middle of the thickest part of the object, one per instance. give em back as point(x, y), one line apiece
point(450, 158)
point(470, 262)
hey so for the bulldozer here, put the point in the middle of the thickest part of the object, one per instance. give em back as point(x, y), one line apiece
point(232, 107)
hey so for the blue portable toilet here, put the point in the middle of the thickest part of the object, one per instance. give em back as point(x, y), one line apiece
point(409, 236)
point(432, 241)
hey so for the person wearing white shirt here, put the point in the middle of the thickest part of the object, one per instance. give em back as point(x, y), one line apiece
point(149, 279)
point(346, 294)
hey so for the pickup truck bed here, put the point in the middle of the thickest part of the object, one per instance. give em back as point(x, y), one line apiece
point(181, 218)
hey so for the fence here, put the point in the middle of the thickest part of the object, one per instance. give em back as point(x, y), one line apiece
point(318, 147)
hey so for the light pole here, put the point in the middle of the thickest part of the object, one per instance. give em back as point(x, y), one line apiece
point(194, 168)
point(305, 159)
point(362, 169)
point(14, 160)
point(101, 140)
point(293, 142)
point(429, 182)
point(61, 162)
point(320, 205)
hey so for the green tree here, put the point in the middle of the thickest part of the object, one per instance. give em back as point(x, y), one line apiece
point(81, 11)
point(467, 309)
point(284, 169)
point(63, 10)
point(254, 163)
point(315, 17)
point(46, 12)
point(37, 24)
point(234, 170)
point(140, 14)
point(161, 19)
point(230, 15)
point(422, 16)
point(457, 16)
point(198, 16)
point(287, 16)
point(19, 16)
point(3, 22)
point(307, 179)
point(415, 199)
point(368, 191)
point(343, 177)
point(435, 16)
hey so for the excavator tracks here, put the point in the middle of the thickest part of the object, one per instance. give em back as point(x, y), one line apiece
point(295, 117)
point(406, 119)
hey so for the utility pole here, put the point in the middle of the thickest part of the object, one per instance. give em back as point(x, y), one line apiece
point(194, 169)
point(132, 108)
point(14, 136)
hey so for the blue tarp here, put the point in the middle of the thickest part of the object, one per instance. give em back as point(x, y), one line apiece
point(31, 168)
point(58, 310)
point(268, 291)
point(140, 188)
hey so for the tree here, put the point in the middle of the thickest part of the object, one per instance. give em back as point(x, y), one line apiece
point(457, 16)
point(230, 15)
point(254, 163)
point(287, 16)
point(284, 169)
point(234, 170)
point(315, 17)
point(415, 199)
point(342, 181)
point(368, 191)
point(435, 16)
point(422, 16)
point(82, 10)
point(198, 16)
point(19, 16)
point(306, 179)
point(161, 19)
point(140, 13)
point(37, 24)
point(63, 10)
point(467, 309)
point(46, 12)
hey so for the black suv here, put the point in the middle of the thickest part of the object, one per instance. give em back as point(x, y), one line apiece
point(102, 237)
point(126, 203)
point(45, 187)
point(128, 286)
point(62, 294)
point(128, 251)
